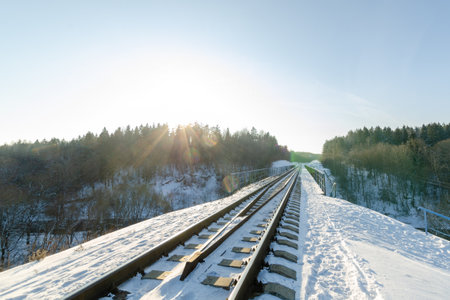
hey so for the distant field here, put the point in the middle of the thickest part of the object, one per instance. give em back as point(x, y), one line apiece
point(303, 157)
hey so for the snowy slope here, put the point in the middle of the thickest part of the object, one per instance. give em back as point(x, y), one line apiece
point(351, 252)
point(386, 194)
point(64, 272)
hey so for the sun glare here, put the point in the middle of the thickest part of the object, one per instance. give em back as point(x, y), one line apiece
point(178, 89)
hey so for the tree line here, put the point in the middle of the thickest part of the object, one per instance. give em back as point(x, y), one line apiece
point(56, 168)
point(43, 180)
point(415, 155)
point(304, 157)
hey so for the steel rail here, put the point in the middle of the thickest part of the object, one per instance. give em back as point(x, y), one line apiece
point(103, 285)
point(201, 254)
point(247, 279)
point(239, 214)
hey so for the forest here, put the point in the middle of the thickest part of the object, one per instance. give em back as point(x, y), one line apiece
point(410, 166)
point(41, 182)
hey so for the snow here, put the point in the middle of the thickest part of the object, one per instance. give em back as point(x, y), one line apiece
point(388, 195)
point(132, 199)
point(191, 288)
point(281, 163)
point(330, 179)
point(185, 189)
point(351, 252)
point(61, 274)
point(345, 251)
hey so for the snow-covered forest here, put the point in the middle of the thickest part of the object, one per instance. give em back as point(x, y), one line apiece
point(393, 171)
point(56, 194)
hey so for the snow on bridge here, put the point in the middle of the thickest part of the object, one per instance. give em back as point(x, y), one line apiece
point(347, 252)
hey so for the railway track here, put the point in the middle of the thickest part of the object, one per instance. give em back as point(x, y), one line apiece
point(221, 254)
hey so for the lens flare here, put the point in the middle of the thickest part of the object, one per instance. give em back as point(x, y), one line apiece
point(191, 155)
point(209, 141)
point(230, 183)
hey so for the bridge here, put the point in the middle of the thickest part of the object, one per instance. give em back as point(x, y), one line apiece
point(280, 236)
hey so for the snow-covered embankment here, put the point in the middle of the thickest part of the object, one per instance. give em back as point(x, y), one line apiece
point(351, 252)
point(59, 275)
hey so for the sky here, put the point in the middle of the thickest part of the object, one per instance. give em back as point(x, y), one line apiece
point(305, 71)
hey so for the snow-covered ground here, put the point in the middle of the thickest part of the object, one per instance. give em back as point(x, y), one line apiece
point(281, 163)
point(125, 199)
point(372, 197)
point(191, 287)
point(189, 188)
point(389, 195)
point(61, 274)
point(351, 252)
point(346, 252)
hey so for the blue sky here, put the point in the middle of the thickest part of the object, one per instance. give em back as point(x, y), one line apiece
point(305, 71)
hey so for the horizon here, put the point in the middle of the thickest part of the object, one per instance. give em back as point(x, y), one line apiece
point(303, 72)
point(173, 129)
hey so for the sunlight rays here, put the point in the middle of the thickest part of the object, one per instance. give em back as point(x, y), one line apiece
point(150, 148)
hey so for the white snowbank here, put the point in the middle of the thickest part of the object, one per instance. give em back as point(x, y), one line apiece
point(281, 163)
point(351, 252)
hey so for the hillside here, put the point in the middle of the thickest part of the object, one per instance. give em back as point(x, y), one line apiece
point(304, 157)
point(393, 171)
point(56, 194)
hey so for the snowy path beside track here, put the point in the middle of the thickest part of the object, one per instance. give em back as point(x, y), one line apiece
point(351, 252)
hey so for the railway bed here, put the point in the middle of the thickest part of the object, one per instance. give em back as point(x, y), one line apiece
point(222, 258)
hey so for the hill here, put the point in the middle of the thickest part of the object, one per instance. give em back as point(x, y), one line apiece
point(304, 157)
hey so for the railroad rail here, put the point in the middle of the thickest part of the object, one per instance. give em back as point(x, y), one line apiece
point(220, 260)
point(279, 231)
point(242, 208)
point(237, 180)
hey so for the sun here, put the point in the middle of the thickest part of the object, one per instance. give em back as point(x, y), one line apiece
point(176, 88)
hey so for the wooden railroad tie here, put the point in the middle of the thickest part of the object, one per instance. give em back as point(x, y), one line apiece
point(279, 291)
point(283, 270)
point(290, 217)
point(205, 236)
point(287, 243)
point(257, 232)
point(289, 227)
point(291, 222)
point(156, 274)
point(250, 239)
point(293, 214)
point(234, 263)
point(286, 255)
point(288, 235)
point(178, 257)
point(221, 282)
point(193, 246)
point(245, 250)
